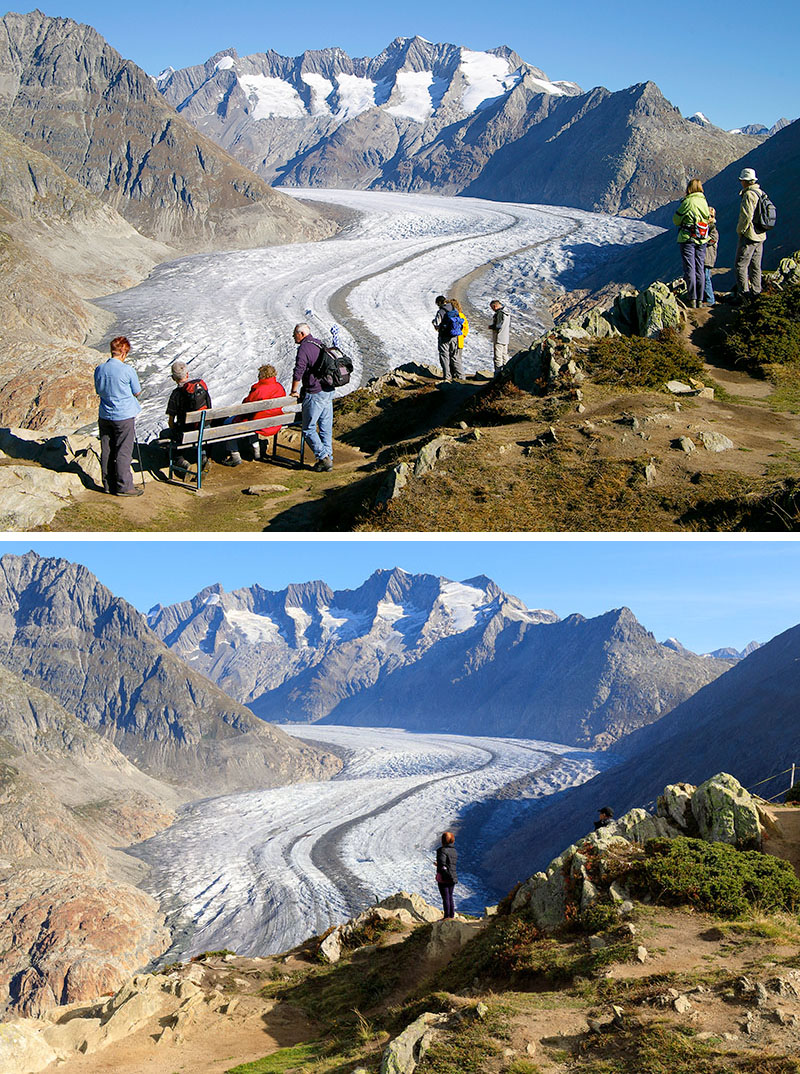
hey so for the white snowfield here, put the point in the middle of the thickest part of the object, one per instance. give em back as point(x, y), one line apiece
point(259, 872)
point(226, 314)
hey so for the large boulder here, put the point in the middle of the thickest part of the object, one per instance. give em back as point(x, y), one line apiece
point(403, 1054)
point(31, 496)
point(657, 309)
point(726, 813)
point(23, 1049)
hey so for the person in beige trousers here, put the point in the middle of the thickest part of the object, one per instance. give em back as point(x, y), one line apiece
point(751, 242)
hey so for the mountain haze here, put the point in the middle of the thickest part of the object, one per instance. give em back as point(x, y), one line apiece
point(426, 653)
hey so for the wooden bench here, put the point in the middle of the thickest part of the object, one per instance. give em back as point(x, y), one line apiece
point(205, 432)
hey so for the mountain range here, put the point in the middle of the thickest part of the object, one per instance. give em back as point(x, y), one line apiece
point(425, 116)
point(380, 654)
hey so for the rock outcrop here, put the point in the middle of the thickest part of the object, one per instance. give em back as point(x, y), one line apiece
point(65, 92)
point(719, 810)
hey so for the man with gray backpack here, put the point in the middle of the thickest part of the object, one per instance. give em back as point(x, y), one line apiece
point(756, 218)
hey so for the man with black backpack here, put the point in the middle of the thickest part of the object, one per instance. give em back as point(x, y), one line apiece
point(449, 325)
point(311, 386)
point(756, 216)
point(188, 396)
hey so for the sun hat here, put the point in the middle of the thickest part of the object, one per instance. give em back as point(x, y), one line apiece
point(747, 175)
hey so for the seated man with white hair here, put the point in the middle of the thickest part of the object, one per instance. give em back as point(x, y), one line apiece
point(317, 403)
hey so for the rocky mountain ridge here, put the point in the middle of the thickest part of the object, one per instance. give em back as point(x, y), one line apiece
point(60, 246)
point(63, 632)
point(424, 116)
point(65, 92)
point(379, 654)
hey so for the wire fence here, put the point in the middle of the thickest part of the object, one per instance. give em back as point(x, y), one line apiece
point(779, 794)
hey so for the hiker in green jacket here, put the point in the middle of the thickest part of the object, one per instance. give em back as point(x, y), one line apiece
point(692, 219)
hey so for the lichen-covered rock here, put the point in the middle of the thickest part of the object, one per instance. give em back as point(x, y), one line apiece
point(396, 481)
point(431, 453)
point(675, 806)
point(403, 1054)
point(726, 813)
point(715, 442)
point(657, 309)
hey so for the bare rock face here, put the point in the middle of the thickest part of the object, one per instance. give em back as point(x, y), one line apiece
point(59, 245)
point(67, 93)
point(75, 939)
point(63, 632)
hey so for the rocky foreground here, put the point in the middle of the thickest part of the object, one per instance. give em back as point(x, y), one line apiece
point(581, 964)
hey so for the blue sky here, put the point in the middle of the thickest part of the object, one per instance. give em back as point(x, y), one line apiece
point(705, 58)
point(707, 593)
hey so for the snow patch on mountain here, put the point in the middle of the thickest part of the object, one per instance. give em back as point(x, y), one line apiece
point(488, 77)
point(272, 97)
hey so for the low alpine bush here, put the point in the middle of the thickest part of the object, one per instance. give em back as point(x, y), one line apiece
point(714, 877)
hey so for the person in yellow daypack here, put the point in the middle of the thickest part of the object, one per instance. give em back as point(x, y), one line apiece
point(692, 218)
point(464, 328)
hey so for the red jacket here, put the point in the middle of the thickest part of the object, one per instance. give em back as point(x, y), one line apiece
point(265, 389)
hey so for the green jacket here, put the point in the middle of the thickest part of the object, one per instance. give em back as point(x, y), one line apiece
point(692, 209)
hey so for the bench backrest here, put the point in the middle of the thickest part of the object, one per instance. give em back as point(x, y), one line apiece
point(288, 404)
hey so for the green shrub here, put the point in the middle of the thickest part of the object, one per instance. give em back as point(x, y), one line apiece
point(714, 877)
point(766, 333)
point(637, 362)
point(793, 794)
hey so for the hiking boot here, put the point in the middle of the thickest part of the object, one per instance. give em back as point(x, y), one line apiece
point(323, 464)
point(234, 459)
point(131, 492)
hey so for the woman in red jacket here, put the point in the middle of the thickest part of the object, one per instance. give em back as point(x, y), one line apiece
point(266, 387)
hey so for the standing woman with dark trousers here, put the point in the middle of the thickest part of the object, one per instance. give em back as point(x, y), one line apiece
point(692, 219)
point(446, 874)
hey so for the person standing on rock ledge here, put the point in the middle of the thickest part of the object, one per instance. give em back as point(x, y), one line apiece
point(501, 334)
point(117, 385)
point(446, 874)
point(751, 241)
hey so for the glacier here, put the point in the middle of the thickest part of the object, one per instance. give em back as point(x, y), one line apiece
point(260, 871)
point(225, 314)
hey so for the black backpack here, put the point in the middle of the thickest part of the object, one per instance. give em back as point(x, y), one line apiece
point(764, 214)
point(194, 396)
point(333, 368)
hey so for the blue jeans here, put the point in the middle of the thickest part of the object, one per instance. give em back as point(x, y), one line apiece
point(709, 292)
point(318, 423)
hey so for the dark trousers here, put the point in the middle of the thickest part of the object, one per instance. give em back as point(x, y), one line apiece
point(446, 891)
point(693, 255)
point(116, 451)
